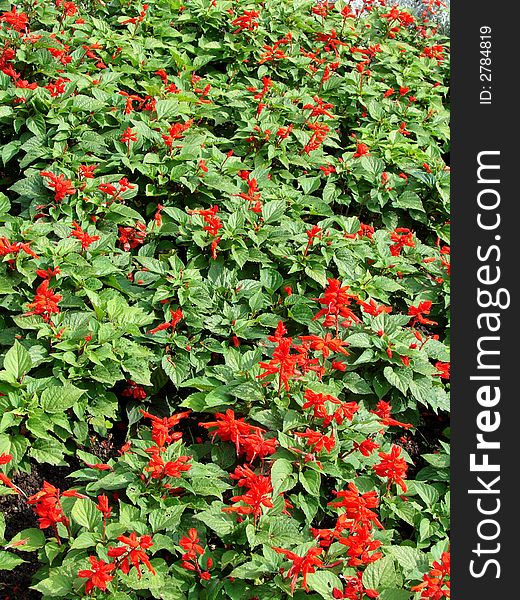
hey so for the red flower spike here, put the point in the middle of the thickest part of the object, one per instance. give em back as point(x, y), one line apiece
point(393, 467)
point(98, 576)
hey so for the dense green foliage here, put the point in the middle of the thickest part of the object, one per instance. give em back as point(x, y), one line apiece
point(179, 181)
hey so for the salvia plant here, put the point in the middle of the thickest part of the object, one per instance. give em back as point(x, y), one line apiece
point(224, 231)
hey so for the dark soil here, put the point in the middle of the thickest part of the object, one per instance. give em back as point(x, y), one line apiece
point(425, 439)
point(19, 515)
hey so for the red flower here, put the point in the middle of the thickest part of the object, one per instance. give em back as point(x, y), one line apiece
point(361, 150)
point(418, 313)
point(258, 495)
point(176, 315)
point(133, 390)
point(61, 186)
point(443, 368)
point(312, 233)
point(191, 544)
point(85, 239)
point(354, 589)
point(393, 467)
point(45, 302)
point(326, 345)
point(128, 136)
point(103, 506)
point(318, 440)
point(98, 576)
point(283, 363)
point(357, 505)
point(132, 553)
point(229, 429)
point(336, 300)
point(161, 427)
point(5, 458)
point(366, 447)
point(176, 132)
point(6, 481)
point(48, 507)
point(158, 469)
point(383, 411)
point(131, 237)
point(193, 550)
point(401, 237)
point(48, 274)
point(17, 21)
point(372, 308)
point(320, 108)
point(320, 131)
point(302, 565)
point(436, 584)
point(247, 21)
point(284, 132)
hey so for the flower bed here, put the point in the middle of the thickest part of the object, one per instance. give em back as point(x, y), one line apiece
point(225, 238)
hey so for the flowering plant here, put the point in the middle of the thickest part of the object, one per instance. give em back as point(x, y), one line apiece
point(224, 233)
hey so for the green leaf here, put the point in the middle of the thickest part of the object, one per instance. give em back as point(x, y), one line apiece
point(310, 481)
point(85, 513)
point(281, 476)
point(399, 378)
point(324, 583)
point(17, 361)
point(270, 279)
point(273, 210)
point(409, 200)
point(380, 574)
point(56, 399)
point(34, 539)
point(14, 444)
point(221, 523)
point(8, 561)
point(394, 594)
point(55, 585)
point(252, 569)
point(166, 518)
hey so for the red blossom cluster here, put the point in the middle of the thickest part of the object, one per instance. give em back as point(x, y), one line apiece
point(393, 467)
point(301, 565)
point(336, 301)
point(176, 131)
point(248, 439)
point(158, 468)
point(132, 553)
point(133, 390)
point(401, 237)
point(354, 589)
point(213, 225)
point(258, 495)
point(273, 52)
point(419, 312)
point(62, 187)
point(45, 302)
point(7, 248)
point(176, 315)
point(320, 404)
point(252, 196)
point(319, 134)
point(132, 237)
point(85, 239)
point(193, 550)
point(436, 584)
point(354, 526)
point(247, 21)
point(47, 505)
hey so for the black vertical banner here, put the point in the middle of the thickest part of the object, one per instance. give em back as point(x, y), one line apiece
point(485, 241)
